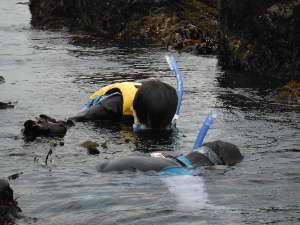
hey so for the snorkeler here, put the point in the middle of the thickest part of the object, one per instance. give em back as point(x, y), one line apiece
point(208, 154)
point(151, 104)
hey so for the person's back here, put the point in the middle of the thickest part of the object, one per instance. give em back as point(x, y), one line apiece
point(151, 103)
point(136, 163)
point(224, 154)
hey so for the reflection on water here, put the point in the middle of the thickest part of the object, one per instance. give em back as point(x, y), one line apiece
point(148, 141)
point(189, 191)
point(46, 74)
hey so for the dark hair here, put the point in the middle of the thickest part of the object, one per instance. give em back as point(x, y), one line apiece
point(227, 152)
point(155, 104)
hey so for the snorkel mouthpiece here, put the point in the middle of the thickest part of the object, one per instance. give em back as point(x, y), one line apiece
point(136, 127)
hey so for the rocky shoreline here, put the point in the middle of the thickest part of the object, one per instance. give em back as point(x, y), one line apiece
point(262, 39)
point(184, 25)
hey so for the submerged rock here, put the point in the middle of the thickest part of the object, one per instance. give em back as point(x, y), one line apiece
point(45, 126)
point(91, 147)
point(185, 25)
point(9, 209)
point(4, 105)
point(89, 144)
point(289, 93)
point(2, 80)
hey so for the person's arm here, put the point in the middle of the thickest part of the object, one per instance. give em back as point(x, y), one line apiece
point(136, 163)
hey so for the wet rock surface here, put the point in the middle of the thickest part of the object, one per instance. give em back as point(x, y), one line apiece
point(2, 79)
point(184, 25)
point(289, 93)
point(91, 147)
point(45, 126)
point(5, 105)
point(9, 209)
point(261, 37)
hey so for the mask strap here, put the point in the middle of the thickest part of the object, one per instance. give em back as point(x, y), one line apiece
point(185, 161)
point(91, 102)
point(210, 154)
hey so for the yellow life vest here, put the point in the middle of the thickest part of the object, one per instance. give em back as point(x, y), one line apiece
point(128, 91)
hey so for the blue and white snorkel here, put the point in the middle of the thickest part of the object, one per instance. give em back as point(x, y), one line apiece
point(173, 66)
point(210, 154)
point(199, 140)
point(203, 131)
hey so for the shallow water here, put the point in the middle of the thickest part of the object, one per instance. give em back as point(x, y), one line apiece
point(46, 73)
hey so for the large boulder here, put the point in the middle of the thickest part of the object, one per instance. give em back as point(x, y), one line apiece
point(183, 24)
point(9, 209)
point(261, 37)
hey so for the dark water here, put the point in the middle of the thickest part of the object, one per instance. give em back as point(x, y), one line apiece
point(46, 73)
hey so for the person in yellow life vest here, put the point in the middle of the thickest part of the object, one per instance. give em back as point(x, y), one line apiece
point(151, 104)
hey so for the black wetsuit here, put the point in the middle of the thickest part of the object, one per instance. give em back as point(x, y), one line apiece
point(224, 153)
point(134, 163)
point(110, 107)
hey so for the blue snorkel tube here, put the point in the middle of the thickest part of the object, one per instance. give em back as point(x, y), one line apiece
point(203, 131)
point(199, 140)
point(173, 66)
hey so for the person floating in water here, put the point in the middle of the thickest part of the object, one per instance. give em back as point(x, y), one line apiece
point(151, 104)
point(209, 154)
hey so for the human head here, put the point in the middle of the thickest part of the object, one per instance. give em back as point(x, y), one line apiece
point(228, 153)
point(225, 154)
point(154, 105)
